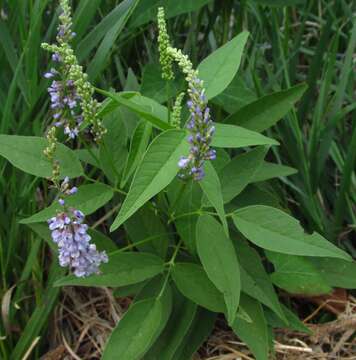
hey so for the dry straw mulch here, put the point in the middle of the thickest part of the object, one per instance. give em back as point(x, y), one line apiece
point(86, 316)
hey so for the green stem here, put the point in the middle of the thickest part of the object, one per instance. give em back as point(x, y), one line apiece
point(196, 212)
point(111, 187)
point(170, 264)
point(144, 241)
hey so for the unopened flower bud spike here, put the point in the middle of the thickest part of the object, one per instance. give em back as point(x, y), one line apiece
point(175, 118)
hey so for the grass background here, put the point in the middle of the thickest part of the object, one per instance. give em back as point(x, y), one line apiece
point(312, 41)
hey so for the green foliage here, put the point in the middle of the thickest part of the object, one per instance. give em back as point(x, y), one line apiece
point(139, 328)
point(254, 332)
point(193, 282)
point(219, 68)
point(186, 251)
point(263, 113)
point(26, 153)
point(273, 229)
point(297, 275)
point(157, 169)
point(230, 136)
point(212, 189)
point(88, 198)
point(219, 260)
point(122, 269)
point(241, 171)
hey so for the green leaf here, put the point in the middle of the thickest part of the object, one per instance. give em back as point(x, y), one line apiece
point(257, 195)
point(44, 233)
point(93, 38)
point(89, 157)
point(122, 269)
point(130, 290)
point(193, 283)
point(201, 328)
point(182, 316)
point(84, 13)
point(113, 147)
point(26, 153)
point(269, 170)
point(211, 187)
point(101, 241)
point(235, 96)
point(297, 275)
point(231, 136)
point(254, 333)
point(240, 171)
point(337, 272)
point(10, 52)
point(280, 2)
point(147, 9)
point(146, 225)
point(189, 202)
point(157, 169)
point(124, 11)
point(222, 159)
point(147, 108)
point(219, 68)
point(138, 329)
point(274, 230)
point(138, 146)
point(88, 199)
point(293, 320)
point(219, 260)
point(266, 111)
point(255, 281)
point(156, 88)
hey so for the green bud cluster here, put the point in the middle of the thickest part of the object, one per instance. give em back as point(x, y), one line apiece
point(163, 45)
point(49, 153)
point(184, 63)
point(177, 109)
point(168, 54)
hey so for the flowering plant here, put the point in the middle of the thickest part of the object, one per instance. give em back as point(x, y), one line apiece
point(194, 231)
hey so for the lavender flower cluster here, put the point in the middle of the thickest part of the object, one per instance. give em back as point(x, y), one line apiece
point(70, 234)
point(64, 97)
point(71, 93)
point(64, 103)
point(201, 130)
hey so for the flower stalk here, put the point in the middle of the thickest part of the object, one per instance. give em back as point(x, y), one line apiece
point(199, 125)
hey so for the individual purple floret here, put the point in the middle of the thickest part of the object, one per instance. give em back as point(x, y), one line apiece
point(75, 250)
point(201, 131)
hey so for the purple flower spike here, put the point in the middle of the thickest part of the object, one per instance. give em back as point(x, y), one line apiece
point(201, 131)
point(74, 247)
